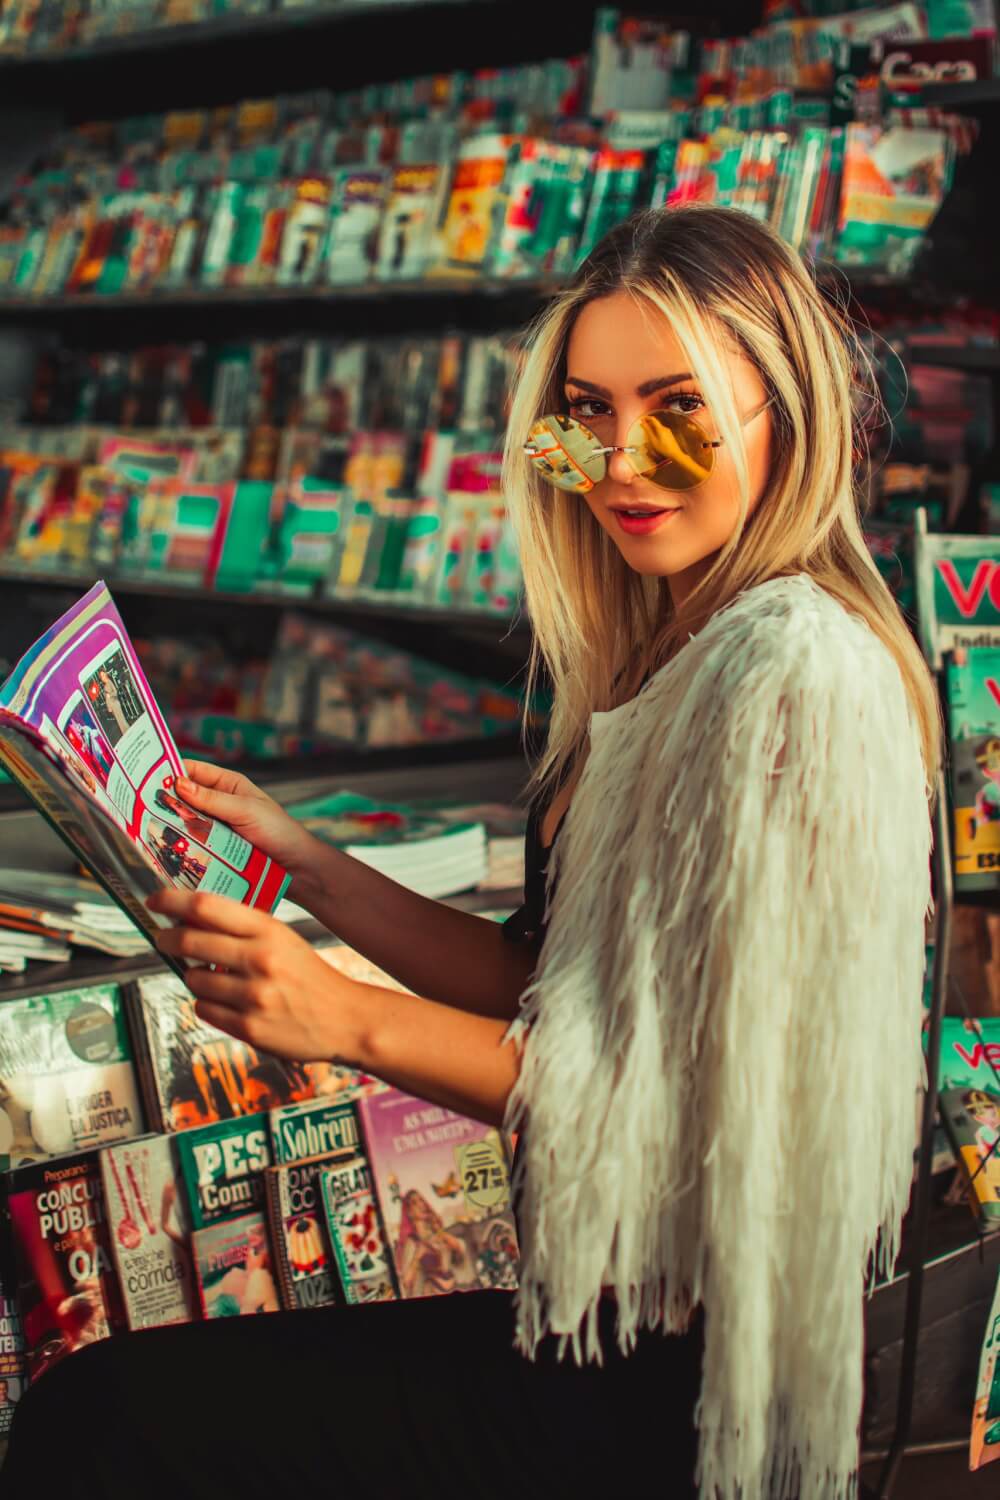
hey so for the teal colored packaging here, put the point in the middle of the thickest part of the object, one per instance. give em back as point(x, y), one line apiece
point(240, 556)
point(308, 535)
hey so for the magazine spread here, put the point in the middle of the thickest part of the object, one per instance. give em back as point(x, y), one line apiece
point(82, 733)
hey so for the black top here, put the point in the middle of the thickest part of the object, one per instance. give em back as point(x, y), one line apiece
point(527, 924)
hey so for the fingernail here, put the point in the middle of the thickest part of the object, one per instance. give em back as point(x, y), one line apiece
point(184, 785)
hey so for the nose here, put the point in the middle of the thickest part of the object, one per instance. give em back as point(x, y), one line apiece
point(619, 469)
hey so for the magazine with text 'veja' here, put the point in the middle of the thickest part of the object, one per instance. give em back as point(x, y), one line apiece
point(82, 733)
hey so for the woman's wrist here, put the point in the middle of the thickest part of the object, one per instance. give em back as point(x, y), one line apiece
point(313, 873)
point(358, 1005)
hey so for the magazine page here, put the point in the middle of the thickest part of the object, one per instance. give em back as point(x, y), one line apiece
point(127, 872)
point(81, 692)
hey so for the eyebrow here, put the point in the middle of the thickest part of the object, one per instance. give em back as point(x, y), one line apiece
point(646, 389)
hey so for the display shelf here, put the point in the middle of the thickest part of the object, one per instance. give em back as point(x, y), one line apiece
point(426, 290)
point(239, 26)
point(975, 361)
point(331, 604)
point(88, 968)
point(249, 297)
point(982, 94)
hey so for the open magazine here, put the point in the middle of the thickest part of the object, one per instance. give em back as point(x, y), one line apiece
point(81, 732)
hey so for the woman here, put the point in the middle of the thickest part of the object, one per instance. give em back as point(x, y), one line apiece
point(427, 1255)
point(735, 793)
point(112, 699)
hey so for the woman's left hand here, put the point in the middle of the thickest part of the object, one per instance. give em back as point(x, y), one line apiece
point(273, 991)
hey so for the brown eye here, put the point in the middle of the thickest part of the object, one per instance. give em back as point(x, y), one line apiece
point(686, 403)
point(588, 408)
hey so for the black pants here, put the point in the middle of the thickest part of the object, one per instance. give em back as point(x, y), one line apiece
point(388, 1401)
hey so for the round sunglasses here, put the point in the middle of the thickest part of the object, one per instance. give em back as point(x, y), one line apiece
point(665, 447)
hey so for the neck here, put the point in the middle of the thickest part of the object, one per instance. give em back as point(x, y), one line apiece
point(683, 584)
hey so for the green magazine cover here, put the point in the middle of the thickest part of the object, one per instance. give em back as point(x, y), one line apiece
point(222, 1167)
point(958, 590)
point(356, 1233)
point(317, 1127)
point(969, 1093)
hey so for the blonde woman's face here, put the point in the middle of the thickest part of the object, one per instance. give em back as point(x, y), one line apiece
point(624, 361)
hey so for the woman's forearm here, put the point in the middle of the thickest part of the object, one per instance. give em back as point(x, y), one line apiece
point(462, 960)
point(437, 1052)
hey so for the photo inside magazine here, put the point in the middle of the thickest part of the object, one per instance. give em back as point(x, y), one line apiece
point(81, 732)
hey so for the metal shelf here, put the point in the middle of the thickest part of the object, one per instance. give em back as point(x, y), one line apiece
point(332, 604)
point(975, 360)
point(87, 968)
point(238, 26)
point(161, 300)
point(983, 93)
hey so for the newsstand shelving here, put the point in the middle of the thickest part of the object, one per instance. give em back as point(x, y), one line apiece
point(343, 604)
point(220, 62)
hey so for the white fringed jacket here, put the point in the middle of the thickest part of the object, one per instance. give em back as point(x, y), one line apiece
point(721, 1042)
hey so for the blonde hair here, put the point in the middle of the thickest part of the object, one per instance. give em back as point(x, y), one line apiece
point(598, 625)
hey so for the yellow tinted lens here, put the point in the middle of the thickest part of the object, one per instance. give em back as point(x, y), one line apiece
point(672, 451)
point(567, 454)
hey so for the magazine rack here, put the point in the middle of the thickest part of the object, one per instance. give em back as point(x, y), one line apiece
point(945, 901)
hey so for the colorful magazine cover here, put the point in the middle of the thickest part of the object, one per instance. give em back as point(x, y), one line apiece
point(304, 1265)
point(969, 1105)
point(442, 1184)
point(222, 1167)
point(180, 531)
point(81, 731)
point(356, 213)
point(304, 234)
point(149, 1232)
point(972, 679)
point(67, 1290)
point(958, 590)
point(13, 1367)
point(355, 1232)
point(894, 181)
point(67, 1079)
point(234, 1268)
point(409, 224)
point(192, 1074)
point(984, 1443)
point(475, 206)
point(317, 1128)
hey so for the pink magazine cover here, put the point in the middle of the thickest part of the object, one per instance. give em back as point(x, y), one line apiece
point(81, 731)
point(442, 1184)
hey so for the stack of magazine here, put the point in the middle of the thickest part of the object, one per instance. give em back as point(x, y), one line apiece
point(430, 854)
point(41, 913)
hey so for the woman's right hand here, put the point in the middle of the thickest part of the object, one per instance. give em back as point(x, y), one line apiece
point(232, 798)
